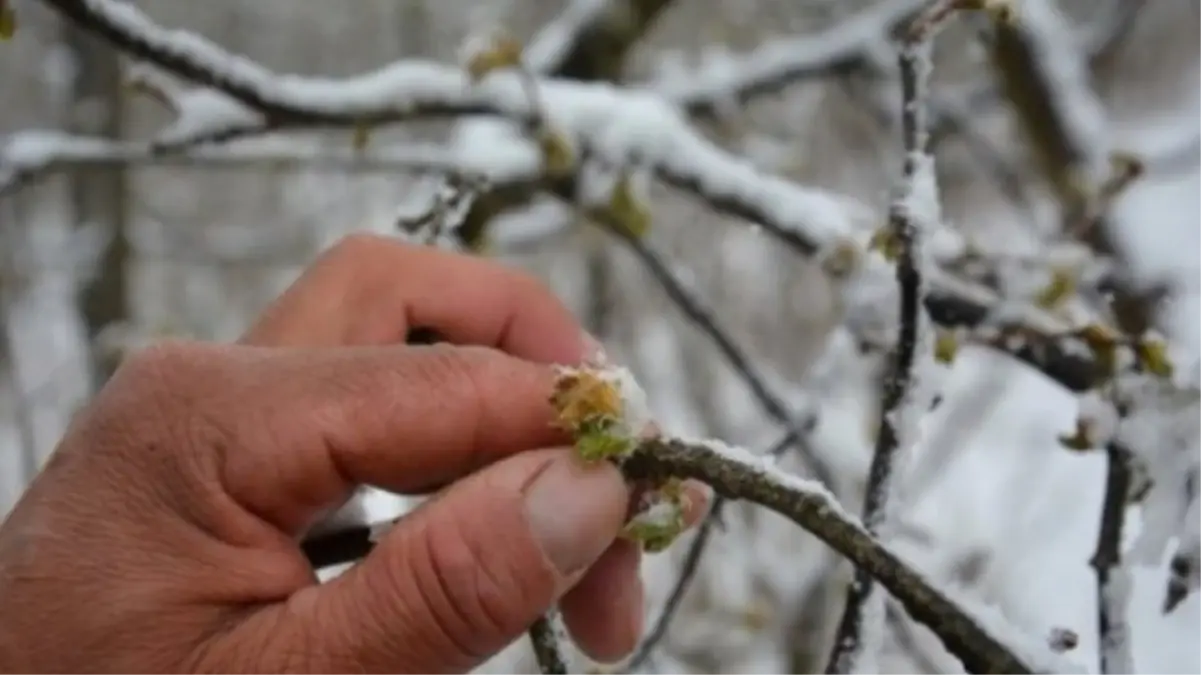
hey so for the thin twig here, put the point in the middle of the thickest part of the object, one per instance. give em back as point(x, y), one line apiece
point(1047, 81)
point(1112, 629)
point(739, 474)
point(805, 219)
point(1045, 77)
point(29, 154)
point(702, 318)
point(548, 648)
point(815, 509)
point(906, 230)
point(783, 62)
point(688, 570)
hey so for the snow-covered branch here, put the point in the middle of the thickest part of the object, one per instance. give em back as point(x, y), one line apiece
point(625, 127)
point(913, 218)
point(738, 474)
point(702, 318)
point(27, 154)
point(589, 40)
point(784, 61)
point(1045, 76)
point(1047, 81)
point(1113, 578)
point(621, 127)
point(853, 41)
point(547, 641)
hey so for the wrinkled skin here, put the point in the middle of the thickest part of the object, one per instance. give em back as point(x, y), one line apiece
point(162, 534)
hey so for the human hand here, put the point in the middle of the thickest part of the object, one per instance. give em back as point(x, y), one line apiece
point(162, 535)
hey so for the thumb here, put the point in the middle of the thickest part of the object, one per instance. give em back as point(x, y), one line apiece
point(468, 572)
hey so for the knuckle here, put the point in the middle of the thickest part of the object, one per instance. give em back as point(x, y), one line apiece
point(461, 376)
point(161, 395)
point(166, 361)
point(465, 370)
point(528, 285)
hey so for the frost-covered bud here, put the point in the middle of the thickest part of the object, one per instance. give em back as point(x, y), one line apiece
point(946, 346)
point(1096, 424)
point(1061, 287)
point(493, 50)
point(659, 519)
point(558, 158)
point(1103, 343)
point(841, 258)
point(887, 242)
point(1151, 355)
point(628, 205)
point(607, 413)
point(603, 408)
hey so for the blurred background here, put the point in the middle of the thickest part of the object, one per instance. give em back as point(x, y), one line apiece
point(95, 260)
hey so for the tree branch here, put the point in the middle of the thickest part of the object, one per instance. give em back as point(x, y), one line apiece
point(738, 474)
point(688, 570)
point(782, 62)
point(28, 154)
point(589, 41)
point(405, 90)
point(1113, 584)
point(811, 221)
point(1046, 80)
point(1048, 85)
point(913, 215)
point(548, 647)
point(735, 475)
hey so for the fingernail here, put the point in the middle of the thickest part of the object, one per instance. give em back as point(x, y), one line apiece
point(635, 602)
point(575, 511)
point(594, 350)
point(637, 615)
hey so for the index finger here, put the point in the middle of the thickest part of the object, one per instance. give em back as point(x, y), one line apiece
point(371, 290)
point(291, 432)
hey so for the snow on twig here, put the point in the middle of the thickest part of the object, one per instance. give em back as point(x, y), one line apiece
point(738, 474)
point(703, 319)
point(623, 127)
point(1113, 577)
point(588, 42)
point(26, 154)
point(547, 640)
point(913, 218)
point(1048, 80)
point(784, 61)
point(602, 406)
point(559, 38)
